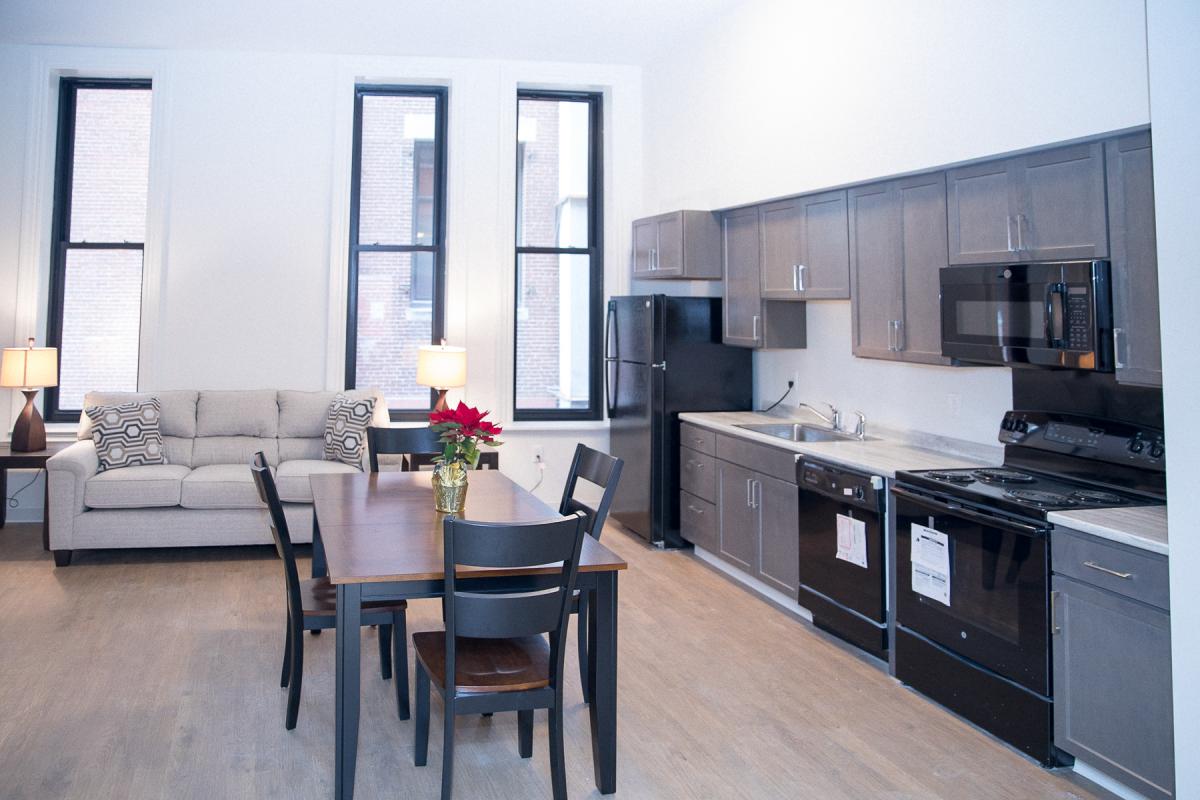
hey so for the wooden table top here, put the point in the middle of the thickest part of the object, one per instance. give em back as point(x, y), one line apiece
point(379, 527)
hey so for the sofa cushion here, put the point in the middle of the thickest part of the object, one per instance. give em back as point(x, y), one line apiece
point(292, 449)
point(220, 486)
point(302, 414)
point(238, 413)
point(232, 450)
point(127, 435)
point(178, 450)
point(178, 410)
point(346, 429)
point(156, 485)
point(292, 477)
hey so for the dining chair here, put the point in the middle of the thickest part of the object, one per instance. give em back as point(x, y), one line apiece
point(312, 606)
point(500, 651)
point(419, 446)
point(604, 471)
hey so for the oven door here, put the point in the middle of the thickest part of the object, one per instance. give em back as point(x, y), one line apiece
point(998, 609)
point(1054, 315)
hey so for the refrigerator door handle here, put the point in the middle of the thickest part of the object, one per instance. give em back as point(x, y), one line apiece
point(609, 330)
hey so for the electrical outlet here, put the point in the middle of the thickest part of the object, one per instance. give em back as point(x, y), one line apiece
point(539, 454)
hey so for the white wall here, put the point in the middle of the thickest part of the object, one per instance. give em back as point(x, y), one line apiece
point(779, 98)
point(1173, 33)
point(247, 242)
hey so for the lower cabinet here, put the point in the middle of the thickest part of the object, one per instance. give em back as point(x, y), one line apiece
point(739, 516)
point(1112, 662)
point(779, 534)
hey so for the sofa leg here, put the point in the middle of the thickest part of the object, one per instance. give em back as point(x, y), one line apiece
point(62, 558)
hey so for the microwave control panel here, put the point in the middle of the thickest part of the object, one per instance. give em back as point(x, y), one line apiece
point(1079, 318)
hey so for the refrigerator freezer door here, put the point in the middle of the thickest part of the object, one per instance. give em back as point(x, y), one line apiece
point(631, 329)
point(631, 434)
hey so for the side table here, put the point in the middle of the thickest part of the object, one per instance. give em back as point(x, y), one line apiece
point(35, 460)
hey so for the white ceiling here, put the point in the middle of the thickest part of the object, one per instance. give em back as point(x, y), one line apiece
point(601, 31)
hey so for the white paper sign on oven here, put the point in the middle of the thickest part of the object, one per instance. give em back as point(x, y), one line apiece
point(931, 563)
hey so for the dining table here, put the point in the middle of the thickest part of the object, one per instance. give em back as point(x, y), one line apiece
point(376, 536)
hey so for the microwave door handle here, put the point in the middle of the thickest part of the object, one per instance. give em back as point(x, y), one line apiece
point(949, 507)
point(1056, 294)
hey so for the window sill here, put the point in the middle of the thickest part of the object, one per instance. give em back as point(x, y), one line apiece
point(557, 425)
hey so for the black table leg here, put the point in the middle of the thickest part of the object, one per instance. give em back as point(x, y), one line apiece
point(319, 569)
point(349, 617)
point(45, 511)
point(602, 662)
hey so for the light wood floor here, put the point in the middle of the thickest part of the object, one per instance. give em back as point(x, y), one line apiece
point(154, 674)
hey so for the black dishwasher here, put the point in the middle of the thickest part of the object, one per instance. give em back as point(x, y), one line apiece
point(842, 553)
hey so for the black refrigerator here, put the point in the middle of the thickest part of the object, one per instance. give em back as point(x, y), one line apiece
point(663, 355)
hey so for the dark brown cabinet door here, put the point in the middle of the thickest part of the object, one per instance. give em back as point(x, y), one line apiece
point(645, 248)
point(1138, 340)
point(669, 258)
point(698, 522)
point(806, 248)
point(876, 269)
point(741, 258)
point(779, 551)
point(923, 222)
point(980, 199)
point(1061, 212)
point(739, 529)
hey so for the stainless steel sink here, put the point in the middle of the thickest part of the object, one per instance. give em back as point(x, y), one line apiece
point(797, 432)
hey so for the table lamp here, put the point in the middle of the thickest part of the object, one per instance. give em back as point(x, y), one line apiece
point(29, 369)
point(441, 367)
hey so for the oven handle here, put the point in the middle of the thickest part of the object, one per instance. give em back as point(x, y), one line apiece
point(958, 510)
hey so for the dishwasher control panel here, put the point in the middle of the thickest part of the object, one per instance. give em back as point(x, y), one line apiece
point(852, 488)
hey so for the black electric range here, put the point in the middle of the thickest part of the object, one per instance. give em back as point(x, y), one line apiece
point(973, 564)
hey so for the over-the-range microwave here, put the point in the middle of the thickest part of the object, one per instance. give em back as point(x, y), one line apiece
point(1042, 315)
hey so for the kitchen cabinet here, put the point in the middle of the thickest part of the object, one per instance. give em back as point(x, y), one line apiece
point(897, 246)
point(739, 518)
point(1111, 646)
point(779, 534)
point(679, 245)
point(805, 249)
point(749, 320)
point(1137, 342)
point(1043, 206)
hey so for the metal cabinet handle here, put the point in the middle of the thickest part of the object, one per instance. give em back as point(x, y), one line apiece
point(798, 279)
point(697, 440)
point(795, 277)
point(755, 493)
point(1118, 340)
point(1008, 230)
point(891, 335)
point(754, 327)
point(653, 259)
point(749, 493)
point(1020, 238)
point(899, 334)
point(1122, 575)
point(695, 510)
point(1054, 629)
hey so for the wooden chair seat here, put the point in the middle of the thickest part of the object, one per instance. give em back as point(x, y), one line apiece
point(318, 597)
point(486, 665)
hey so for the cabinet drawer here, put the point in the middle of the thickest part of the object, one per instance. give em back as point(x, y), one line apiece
point(1119, 568)
point(698, 522)
point(697, 438)
point(767, 460)
point(698, 473)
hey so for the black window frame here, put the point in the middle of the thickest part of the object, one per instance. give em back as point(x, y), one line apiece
point(68, 88)
point(440, 94)
point(594, 250)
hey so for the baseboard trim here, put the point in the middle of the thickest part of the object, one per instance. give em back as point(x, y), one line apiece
point(1105, 781)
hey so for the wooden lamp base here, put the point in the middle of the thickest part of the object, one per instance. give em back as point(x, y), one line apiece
point(441, 405)
point(29, 432)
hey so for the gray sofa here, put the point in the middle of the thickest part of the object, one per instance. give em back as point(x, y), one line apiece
point(205, 494)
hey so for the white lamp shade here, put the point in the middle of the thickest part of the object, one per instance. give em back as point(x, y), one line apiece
point(441, 366)
point(29, 367)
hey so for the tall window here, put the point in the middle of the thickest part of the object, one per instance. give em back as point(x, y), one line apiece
point(559, 259)
point(99, 232)
point(397, 236)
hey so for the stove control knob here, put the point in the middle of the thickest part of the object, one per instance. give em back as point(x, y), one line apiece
point(1156, 450)
point(1022, 426)
point(1137, 446)
point(859, 494)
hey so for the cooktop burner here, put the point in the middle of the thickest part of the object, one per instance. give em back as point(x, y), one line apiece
point(951, 477)
point(1097, 497)
point(1002, 476)
point(1039, 499)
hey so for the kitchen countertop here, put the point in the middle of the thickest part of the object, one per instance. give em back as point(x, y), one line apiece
point(886, 454)
point(1144, 527)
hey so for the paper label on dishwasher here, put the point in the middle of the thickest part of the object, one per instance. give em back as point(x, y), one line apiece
point(852, 540)
point(931, 563)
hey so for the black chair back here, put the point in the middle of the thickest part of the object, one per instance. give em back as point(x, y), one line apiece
point(401, 441)
point(594, 467)
point(517, 613)
point(264, 481)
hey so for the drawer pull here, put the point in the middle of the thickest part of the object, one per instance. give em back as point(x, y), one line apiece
point(697, 440)
point(695, 510)
point(1122, 575)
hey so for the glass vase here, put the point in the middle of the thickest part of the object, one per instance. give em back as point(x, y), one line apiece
point(450, 487)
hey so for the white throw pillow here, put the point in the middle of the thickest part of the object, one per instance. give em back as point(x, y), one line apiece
point(346, 429)
point(127, 435)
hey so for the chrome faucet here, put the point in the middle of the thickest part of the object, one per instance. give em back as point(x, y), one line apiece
point(860, 427)
point(834, 420)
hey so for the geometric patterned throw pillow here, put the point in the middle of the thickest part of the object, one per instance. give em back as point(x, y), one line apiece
point(346, 429)
point(127, 435)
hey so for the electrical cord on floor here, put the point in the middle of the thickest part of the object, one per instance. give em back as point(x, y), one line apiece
point(541, 472)
point(780, 400)
point(12, 501)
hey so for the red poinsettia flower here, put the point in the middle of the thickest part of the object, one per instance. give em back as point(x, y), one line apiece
point(462, 429)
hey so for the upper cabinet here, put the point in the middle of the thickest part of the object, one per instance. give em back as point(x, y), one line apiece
point(751, 320)
point(805, 248)
point(1138, 342)
point(682, 245)
point(1042, 206)
point(897, 246)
